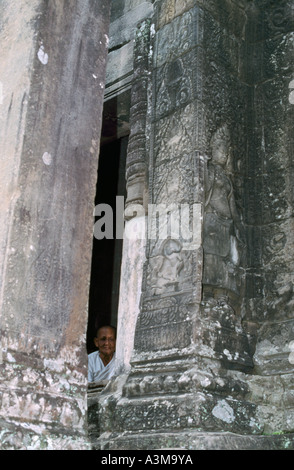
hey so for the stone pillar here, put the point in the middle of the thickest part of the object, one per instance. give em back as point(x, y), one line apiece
point(194, 381)
point(269, 209)
point(52, 73)
point(136, 210)
point(188, 333)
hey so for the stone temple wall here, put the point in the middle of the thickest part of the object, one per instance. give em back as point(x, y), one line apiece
point(205, 322)
point(211, 114)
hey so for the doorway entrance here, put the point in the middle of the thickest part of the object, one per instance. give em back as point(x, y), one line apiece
point(107, 252)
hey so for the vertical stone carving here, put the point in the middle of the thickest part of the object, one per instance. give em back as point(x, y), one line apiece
point(190, 349)
point(136, 157)
point(270, 279)
point(137, 195)
point(223, 239)
point(174, 175)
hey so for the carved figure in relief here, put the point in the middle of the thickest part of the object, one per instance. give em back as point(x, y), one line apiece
point(165, 268)
point(222, 243)
point(175, 88)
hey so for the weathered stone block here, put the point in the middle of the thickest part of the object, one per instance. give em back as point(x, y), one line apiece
point(49, 157)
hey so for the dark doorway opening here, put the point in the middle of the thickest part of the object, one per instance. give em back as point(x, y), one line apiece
point(107, 252)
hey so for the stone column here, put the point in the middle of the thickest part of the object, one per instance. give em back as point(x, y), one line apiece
point(269, 209)
point(191, 384)
point(184, 341)
point(52, 73)
point(136, 204)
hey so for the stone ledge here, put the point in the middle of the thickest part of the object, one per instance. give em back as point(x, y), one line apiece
point(37, 436)
point(195, 441)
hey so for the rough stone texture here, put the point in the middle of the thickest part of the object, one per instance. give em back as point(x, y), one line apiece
point(130, 290)
point(270, 222)
point(201, 441)
point(211, 110)
point(268, 177)
point(52, 72)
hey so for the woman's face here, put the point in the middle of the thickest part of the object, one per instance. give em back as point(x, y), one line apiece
point(105, 341)
point(219, 152)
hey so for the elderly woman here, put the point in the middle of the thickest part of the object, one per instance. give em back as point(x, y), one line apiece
point(101, 363)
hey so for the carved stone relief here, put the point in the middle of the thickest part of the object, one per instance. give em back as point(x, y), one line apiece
point(178, 37)
point(163, 321)
point(175, 86)
point(136, 157)
point(223, 239)
point(164, 270)
point(167, 10)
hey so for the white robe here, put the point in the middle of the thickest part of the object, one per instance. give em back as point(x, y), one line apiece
point(97, 371)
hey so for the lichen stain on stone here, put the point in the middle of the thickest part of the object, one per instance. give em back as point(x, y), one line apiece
point(291, 355)
point(43, 56)
point(291, 94)
point(47, 158)
point(224, 412)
